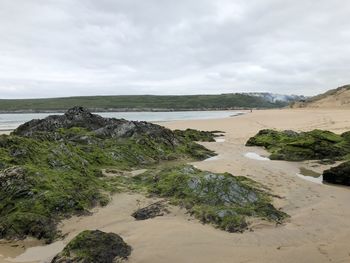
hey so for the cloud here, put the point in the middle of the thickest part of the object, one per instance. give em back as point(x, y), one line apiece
point(86, 47)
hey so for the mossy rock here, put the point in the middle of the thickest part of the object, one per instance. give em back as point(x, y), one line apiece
point(338, 175)
point(346, 136)
point(199, 136)
point(293, 146)
point(94, 246)
point(50, 169)
point(223, 200)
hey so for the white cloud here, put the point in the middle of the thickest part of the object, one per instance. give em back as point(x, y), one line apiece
point(87, 47)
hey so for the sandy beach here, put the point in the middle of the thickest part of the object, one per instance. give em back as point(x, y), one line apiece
point(318, 230)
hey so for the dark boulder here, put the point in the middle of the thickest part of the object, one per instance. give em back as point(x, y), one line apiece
point(74, 117)
point(151, 211)
point(94, 247)
point(338, 175)
point(102, 127)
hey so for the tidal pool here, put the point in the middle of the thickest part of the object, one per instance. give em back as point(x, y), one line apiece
point(255, 156)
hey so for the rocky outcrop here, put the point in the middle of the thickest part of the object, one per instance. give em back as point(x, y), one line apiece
point(151, 211)
point(338, 175)
point(94, 247)
point(51, 168)
point(102, 127)
point(293, 146)
point(198, 136)
point(223, 200)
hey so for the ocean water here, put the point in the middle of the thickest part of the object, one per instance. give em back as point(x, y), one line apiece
point(317, 180)
point(13, 120)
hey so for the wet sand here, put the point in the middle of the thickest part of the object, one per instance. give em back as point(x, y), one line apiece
point(318, 230)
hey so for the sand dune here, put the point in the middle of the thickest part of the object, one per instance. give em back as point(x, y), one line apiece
point(318, 230)
point(332, 99)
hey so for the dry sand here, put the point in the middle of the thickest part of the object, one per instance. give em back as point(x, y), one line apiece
point(318, 230)
point(332, 99)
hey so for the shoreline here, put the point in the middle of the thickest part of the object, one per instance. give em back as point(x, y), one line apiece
point(102, 110)
point(318, 230)
point(150, 110)
point(208, 115)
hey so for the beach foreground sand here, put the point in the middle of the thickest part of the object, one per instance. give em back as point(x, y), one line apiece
point(318, 230)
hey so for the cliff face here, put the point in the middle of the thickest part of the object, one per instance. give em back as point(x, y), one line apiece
point(336, 98)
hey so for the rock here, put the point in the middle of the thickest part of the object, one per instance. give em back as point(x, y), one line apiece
point(13, 182)
point(237, 226)
point(199, 136)
point(78, 126)
point(346, 136)
point(102, 127)
point(293, 146)
point(338, 175)
point(20, 225)
point(94, 247)
point(221, 189)
point(18, 152)
point(223, 200)
point(291, 133)
point(151, 211)
point(62, 158)
point(16, 185)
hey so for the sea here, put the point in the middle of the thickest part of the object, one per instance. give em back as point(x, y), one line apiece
point(11, 121)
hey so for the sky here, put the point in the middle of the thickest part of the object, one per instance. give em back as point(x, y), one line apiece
point(55, 48)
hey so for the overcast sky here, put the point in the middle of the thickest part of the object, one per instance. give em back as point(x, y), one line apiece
point(52, 48)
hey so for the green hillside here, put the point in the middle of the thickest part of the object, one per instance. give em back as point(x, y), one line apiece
point(140, 102)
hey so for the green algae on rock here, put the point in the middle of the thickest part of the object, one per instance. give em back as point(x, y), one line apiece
point(94, 246)
point(223, 200)
point(293, 146)
point(51, 168)
point(198, 136)
point(325, 146)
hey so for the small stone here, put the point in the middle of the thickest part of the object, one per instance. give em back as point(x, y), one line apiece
point(94, 246)
point(151, 211)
